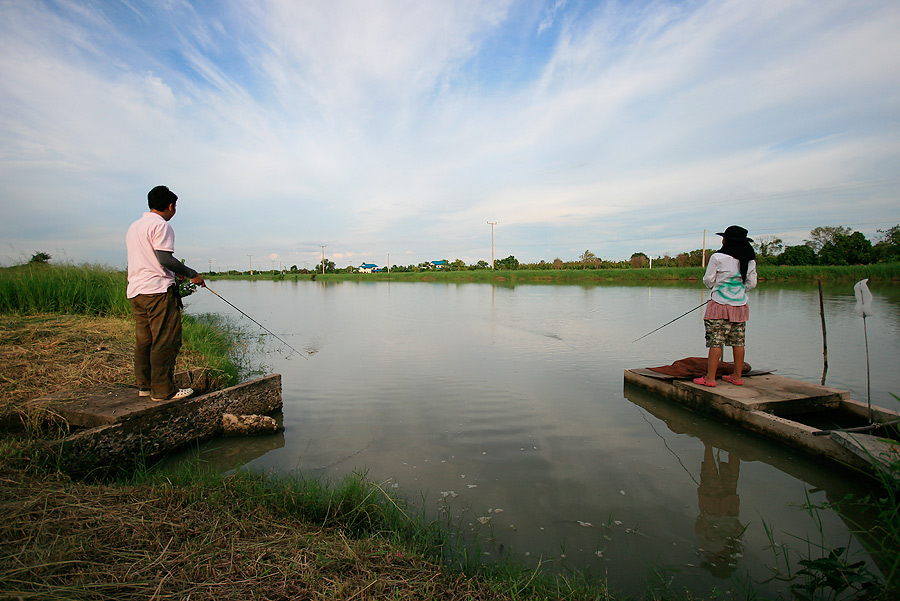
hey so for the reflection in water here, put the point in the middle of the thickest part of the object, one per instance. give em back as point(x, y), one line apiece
point(720, 533)
point(718, 526)
point(222, 454)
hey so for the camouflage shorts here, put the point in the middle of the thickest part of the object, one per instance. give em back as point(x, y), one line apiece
point(721, 332)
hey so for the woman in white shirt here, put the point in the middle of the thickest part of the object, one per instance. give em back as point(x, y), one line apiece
point(731, 273)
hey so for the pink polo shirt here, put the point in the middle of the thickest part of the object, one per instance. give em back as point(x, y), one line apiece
point(145, 236)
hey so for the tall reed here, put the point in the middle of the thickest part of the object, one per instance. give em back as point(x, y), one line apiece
point(65, 289)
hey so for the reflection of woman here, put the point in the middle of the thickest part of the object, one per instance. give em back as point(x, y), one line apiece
point(718, 527)
point(730, 274)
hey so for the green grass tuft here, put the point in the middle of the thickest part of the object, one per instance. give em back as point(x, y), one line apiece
point(64, 289)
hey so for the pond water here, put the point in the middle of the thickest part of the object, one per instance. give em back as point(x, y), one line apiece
point(504, 406)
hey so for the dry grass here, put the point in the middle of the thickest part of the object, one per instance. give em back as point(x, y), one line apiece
point(66, 540)
point(43, 354)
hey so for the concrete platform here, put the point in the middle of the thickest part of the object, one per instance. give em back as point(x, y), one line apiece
point(114, 427)
point(99, 405)
point(772, 406)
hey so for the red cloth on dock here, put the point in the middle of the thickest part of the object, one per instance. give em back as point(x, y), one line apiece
point(694, 367)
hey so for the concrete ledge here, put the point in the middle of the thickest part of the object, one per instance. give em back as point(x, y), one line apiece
point(153, 430)
point(98, 405)
point(763, 406)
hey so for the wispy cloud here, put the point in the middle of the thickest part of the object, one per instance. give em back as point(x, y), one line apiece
point(404, 127)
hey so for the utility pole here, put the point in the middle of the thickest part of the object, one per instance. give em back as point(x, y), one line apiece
point(492, 224)
point(323, 257)
point(703, 252)
point(210, 266)
point(389, 263)
point(251, 264)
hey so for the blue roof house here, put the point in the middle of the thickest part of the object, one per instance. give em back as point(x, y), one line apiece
point(440, 264)
point(367, 267)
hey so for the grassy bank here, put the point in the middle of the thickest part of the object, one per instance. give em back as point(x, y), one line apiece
point(246, 536)
point(65, 290)
point(83, 309)
point(45, 353)
point(836, 273)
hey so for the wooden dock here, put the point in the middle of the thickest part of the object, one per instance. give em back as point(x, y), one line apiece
point(785, 410)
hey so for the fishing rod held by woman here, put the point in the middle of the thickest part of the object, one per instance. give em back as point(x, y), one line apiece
point(731, 273)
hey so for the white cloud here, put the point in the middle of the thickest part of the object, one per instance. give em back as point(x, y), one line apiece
point(372, 126)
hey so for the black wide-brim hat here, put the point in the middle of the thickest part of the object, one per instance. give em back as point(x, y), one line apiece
point(735, 232)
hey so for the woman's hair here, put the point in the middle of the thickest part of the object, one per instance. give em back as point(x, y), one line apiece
point(740, 250)
point(160, 197)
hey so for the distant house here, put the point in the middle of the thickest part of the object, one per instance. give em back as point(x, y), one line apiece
point(439, 264)
point(367, 267)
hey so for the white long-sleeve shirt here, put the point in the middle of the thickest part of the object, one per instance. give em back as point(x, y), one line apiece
point(723, 277)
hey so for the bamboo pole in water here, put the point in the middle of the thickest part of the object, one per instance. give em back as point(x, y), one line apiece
point(824, 335)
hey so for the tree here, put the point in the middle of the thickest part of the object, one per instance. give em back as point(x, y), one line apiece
point(482, 264)
point(639, 260)
point(890, 236)
point(458, 265)
point(822, 235)
point(509, 262)
point(557, 263)
point(39, 258)
point(888, 247)
point(801, 254)
point(854, 249)
point(768, 246)
point(587, 257)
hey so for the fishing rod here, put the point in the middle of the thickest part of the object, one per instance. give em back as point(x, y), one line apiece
point(257, 323)
point(668, 322)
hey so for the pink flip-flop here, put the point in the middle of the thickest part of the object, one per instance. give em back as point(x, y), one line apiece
point(731, 380)
point(702, 381)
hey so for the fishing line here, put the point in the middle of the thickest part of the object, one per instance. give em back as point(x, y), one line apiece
point(257, 323)
point(674, 320)
point(666, 444)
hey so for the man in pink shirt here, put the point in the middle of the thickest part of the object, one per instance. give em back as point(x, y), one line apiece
point(153, 292)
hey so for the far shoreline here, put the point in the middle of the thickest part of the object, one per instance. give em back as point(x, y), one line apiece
point(878, 272)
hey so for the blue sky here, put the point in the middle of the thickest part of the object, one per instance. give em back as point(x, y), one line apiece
point(401, 128)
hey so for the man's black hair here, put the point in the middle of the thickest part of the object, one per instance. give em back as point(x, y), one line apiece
point(160, 198)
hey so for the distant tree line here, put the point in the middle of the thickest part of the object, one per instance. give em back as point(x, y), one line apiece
point(827, 245)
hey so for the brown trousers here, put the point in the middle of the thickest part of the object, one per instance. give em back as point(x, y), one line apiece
point(157, 331)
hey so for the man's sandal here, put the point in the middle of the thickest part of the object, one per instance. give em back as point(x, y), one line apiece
point(731, 380)
point(703, 382)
